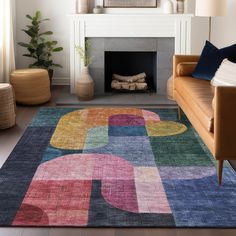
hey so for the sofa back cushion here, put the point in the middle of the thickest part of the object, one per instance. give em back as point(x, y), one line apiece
point(225, 75)
point(210, 60)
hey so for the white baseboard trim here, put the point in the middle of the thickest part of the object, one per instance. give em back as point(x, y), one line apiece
point(61, 81)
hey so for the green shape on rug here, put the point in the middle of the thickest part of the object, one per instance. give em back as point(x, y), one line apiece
point(180, 150)
point(97, 137)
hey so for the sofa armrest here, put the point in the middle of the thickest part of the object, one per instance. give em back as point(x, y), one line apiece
point(225, 123)
point(185, 68)
point(177, 59)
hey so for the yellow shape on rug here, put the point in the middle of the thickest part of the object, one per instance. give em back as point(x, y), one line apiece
point(165, 128)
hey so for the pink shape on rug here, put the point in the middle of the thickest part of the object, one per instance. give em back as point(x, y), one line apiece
point(150, 116)
point(109, 167)
point(120, 194)
point(126, 120)
point(69, 167)
point(85, 167)
point(30, 215)
point(61, 189)
point(62, 203)
point(186, 172)
point(150, 192)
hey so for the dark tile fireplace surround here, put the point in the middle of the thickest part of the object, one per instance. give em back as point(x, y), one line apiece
point(131, 56)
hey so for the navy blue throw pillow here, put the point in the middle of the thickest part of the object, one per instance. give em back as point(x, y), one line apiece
point(211, 59)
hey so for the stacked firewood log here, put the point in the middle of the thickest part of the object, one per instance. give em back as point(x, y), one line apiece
point(132, 83)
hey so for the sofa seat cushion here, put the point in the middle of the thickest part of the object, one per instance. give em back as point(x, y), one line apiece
point(198, 94)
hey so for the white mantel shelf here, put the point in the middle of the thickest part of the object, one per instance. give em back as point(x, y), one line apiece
point(95, 16)
point(83, 26)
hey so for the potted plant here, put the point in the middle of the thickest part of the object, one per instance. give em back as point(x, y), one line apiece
point(85, 84)
point(39, 47)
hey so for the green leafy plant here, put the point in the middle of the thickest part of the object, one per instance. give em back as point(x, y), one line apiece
point(40, 48)
point(85, 53)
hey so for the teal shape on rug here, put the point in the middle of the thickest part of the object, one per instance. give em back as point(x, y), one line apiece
point(97, 137)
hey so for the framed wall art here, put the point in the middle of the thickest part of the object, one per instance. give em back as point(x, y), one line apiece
point(130, 3)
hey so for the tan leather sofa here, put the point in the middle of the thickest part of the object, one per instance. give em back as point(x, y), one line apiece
point(212, 111)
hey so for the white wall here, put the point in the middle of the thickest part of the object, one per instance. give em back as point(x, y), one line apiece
point(224, 28)
point(57, 11)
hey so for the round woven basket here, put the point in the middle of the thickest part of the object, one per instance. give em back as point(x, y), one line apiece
point(31, 86)
point(7, 106)
point(170, 89)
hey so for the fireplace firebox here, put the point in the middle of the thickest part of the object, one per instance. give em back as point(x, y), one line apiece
point(131, 65)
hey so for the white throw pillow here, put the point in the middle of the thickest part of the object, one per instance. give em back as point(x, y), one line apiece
point(225, 75)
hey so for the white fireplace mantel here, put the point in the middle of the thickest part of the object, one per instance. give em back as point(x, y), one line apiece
point(126, 25)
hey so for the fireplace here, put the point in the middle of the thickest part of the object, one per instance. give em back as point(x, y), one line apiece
point(137, 70)
point(129, 57)
point(164, 34)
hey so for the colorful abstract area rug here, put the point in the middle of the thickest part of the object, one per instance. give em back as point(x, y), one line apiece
point(114, 167)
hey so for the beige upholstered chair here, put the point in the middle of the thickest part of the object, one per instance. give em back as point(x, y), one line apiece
point(32, 86)
point(7, 106)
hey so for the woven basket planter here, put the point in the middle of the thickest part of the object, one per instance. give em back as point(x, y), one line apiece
point(31, 86)
point(7, 106)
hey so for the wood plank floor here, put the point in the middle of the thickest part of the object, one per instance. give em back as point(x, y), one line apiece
point(8, 140)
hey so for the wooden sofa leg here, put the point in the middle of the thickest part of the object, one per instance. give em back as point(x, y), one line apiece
point(179, 112)
point(220, 171)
